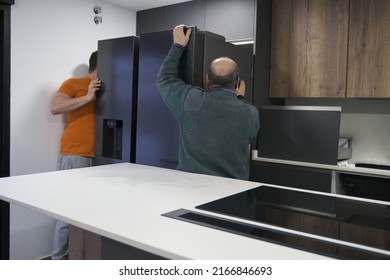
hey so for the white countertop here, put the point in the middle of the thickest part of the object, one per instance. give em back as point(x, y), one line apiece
point(125, 201)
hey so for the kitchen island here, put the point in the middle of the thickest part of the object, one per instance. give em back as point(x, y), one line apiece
point(124, 202)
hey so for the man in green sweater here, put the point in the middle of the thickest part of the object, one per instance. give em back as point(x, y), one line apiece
point(217, 125)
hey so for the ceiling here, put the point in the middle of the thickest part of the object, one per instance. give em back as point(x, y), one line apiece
point(139, 5)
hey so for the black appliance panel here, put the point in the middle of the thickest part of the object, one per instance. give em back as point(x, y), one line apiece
point(300, 133)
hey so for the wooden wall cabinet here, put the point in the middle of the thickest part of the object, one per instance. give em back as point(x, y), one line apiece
point(309, 48)
point(338, 48)
point(369, 49)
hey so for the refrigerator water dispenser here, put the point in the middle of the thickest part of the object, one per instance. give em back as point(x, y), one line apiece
point(112, 138)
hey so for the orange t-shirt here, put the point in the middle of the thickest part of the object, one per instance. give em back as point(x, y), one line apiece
point(79, 133)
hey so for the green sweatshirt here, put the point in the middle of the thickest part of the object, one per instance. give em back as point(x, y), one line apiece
point(216, 127)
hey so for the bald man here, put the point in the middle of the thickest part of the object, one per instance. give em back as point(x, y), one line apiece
point(217, 125)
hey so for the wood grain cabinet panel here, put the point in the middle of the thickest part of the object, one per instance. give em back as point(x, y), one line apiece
point(280, 48)
point(369, 49)
point(377, 238)
point(83, 244)
point(301, 222)
point(309, 48)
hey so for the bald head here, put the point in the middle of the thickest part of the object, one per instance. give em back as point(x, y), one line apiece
point(223, 71)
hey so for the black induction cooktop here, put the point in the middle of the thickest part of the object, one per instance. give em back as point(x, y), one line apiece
point(336, 226)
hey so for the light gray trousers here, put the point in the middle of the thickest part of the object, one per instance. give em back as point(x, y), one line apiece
point(60, 239)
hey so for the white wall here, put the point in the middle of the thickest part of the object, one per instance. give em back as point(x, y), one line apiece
point(371, 135)
point(51, 40)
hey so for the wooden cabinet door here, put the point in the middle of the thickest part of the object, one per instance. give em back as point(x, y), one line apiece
point(369, 49)
point(309, 48)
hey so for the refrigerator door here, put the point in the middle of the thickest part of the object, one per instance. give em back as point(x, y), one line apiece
point(214, 48)
point(157, 129)
point(116, 101)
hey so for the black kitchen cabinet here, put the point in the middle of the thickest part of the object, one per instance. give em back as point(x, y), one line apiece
point(189, 13)
point(234, 19)
point(365, 186)
point(292, 176)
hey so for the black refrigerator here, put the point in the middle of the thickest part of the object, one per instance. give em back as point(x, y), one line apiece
point(157, 136)
point(116, 101)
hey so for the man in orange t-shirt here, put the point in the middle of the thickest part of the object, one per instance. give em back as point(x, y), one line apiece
point(77, 99)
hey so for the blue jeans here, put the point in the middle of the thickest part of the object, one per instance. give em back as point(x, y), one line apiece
point(61, 230)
